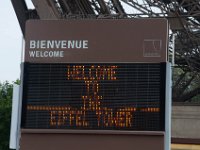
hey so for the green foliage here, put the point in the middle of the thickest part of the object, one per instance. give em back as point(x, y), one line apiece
point(196, 99)
point(5, 113)
point(186, 85)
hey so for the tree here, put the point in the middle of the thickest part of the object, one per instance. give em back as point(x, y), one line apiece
point(186, 85)
point(5, 113)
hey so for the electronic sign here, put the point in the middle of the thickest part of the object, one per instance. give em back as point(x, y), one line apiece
point(94, 96)
point(82, 80)
point(95, 83)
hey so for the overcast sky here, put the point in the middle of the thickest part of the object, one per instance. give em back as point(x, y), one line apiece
point(10, 43)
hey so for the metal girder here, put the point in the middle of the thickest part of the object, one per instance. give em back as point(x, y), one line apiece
point(21, 12)
point(65, 6)
point(118, 7)
point(103, 7)
point(47, 9)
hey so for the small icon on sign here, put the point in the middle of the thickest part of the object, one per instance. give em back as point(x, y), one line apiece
point(152, 47)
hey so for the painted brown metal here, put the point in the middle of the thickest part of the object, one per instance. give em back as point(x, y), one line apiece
point(185, 141)
point(124, 40)
point(33, 140)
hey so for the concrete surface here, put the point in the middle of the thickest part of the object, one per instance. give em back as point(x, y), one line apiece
point(186, 122)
